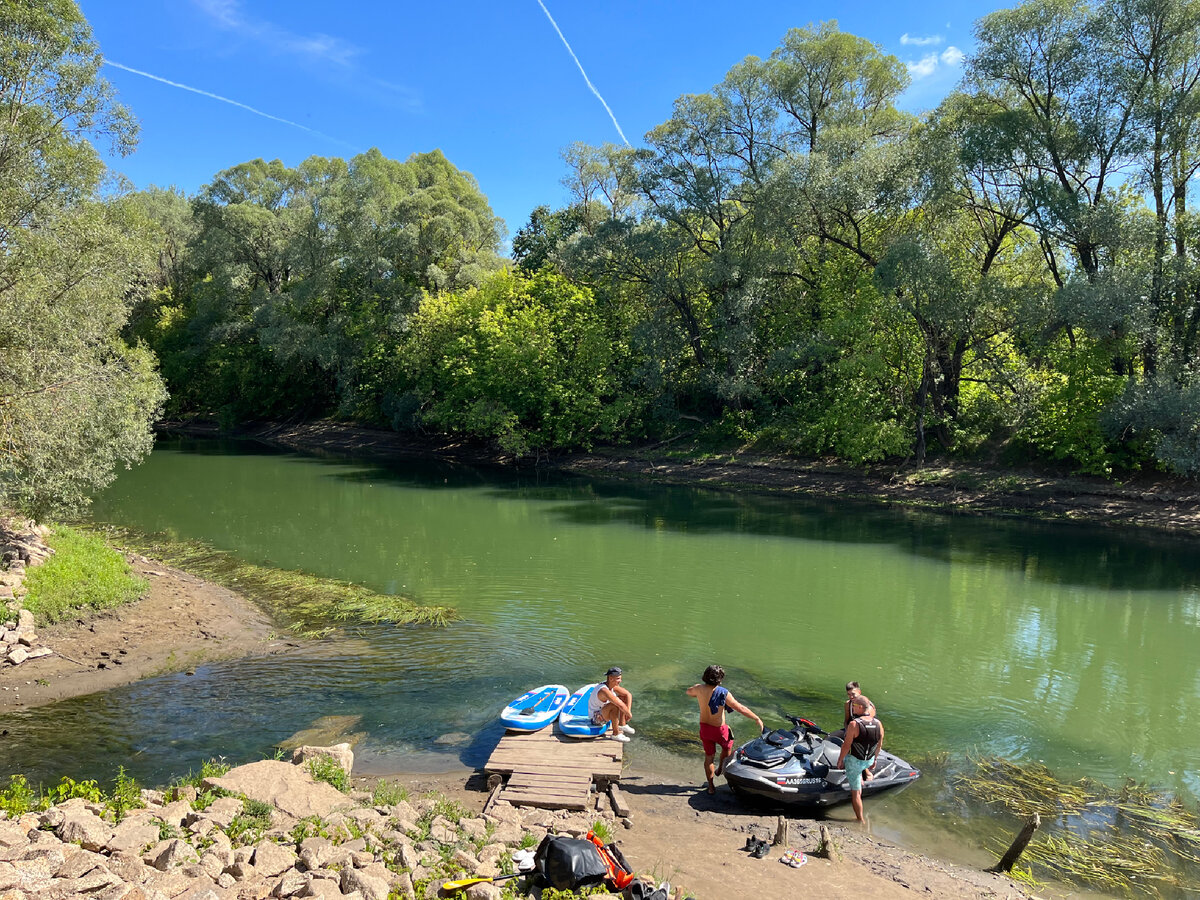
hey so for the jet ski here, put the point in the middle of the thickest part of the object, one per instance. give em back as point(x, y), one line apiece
point(798, 767)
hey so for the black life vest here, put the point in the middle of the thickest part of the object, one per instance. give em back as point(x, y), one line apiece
point(867, 741)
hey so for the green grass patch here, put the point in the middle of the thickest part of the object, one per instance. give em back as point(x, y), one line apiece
point(309, 605)
point(329, 770)
point(388, 793)
point(83, 572)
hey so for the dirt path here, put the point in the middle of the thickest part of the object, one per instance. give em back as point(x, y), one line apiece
point(182, 621)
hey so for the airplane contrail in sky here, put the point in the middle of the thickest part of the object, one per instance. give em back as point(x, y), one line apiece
point(257, 112)
point(583, 73)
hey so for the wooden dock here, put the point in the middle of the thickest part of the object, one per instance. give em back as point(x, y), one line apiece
point(547, 770)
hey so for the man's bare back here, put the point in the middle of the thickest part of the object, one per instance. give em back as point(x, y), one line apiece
point(703, 693)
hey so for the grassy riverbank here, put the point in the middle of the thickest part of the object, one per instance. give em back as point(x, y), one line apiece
point(84, 575)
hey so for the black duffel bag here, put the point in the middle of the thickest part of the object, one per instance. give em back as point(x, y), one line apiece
point(567, 863)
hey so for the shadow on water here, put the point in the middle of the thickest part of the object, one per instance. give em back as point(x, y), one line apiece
point(1055, 553)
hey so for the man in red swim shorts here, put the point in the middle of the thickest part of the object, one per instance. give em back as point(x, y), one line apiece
point(713, 700)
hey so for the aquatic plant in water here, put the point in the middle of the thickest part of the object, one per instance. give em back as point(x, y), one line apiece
point(309, 605)
point(1132, 839)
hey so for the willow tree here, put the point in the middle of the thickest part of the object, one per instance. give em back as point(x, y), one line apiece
point(75, 401)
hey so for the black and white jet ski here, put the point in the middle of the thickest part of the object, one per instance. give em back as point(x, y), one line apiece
point(797, 767)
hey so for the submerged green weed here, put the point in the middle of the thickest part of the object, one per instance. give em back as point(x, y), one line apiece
point(1127, 840)
point(308, 605)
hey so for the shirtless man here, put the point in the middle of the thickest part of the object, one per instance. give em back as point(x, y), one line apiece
point(612, 703)
point(713, 700)
point(852, 691)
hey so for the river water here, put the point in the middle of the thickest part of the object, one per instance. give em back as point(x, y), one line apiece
point(1070, 645)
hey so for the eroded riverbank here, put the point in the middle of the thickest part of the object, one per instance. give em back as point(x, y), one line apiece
point(1148, 501)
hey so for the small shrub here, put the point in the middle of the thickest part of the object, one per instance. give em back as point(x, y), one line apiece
point(69, 788)
point(389, 793)
point(601, 830)
point(166, 831)
point(257, 809)
point(248, 826)
point(126, 795)
point(527, 841)
point(312, 826)
point(18, 798)
point(327, 769)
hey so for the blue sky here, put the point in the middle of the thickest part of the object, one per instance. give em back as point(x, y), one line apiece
point(489, 83)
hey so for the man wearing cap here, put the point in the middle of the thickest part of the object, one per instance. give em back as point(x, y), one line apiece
point(612, 703)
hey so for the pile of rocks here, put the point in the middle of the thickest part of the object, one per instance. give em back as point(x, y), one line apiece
point(318, 843)
point(22, 544)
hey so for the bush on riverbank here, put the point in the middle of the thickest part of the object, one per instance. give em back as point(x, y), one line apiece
point(84, 572)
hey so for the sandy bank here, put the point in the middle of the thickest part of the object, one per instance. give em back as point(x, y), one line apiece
point(682, 835)
point(182, 622)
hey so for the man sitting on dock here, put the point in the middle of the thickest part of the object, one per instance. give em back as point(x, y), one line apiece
point(713, 700)
point(612, 703)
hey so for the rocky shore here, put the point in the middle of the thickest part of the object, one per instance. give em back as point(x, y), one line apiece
point(266, 829)
point(22, 544)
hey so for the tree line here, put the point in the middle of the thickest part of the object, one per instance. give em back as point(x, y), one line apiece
point(790, 260)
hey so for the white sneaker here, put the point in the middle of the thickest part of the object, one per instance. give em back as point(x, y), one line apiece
point(627, 729)
point(623, 738)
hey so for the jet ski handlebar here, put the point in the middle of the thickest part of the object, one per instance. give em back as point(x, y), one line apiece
point(805, 725)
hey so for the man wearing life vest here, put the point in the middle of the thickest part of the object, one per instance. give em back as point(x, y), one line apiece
point(863, 741)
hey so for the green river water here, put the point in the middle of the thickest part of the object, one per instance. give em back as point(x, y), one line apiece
point(1069, 645)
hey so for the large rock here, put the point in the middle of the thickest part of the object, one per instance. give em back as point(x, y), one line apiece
point(370, 887)
point(133, 834)
point(284, 786)
point(291, 883)
point(271, 859)
point(174, 852)
point(84, 828)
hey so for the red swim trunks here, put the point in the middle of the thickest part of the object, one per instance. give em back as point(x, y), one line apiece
point(713, 736)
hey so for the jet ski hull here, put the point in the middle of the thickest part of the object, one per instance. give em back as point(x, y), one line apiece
point(797, 769)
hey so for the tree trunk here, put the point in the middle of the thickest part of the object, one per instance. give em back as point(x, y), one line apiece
point(1018, 846)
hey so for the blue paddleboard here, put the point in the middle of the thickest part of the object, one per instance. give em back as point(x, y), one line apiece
point(535, 709)
point(574, 721)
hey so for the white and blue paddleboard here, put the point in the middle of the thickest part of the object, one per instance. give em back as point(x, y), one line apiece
point(535, 709)
point(574, 720)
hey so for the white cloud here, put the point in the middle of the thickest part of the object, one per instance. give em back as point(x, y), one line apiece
point(952, 56)
point(924, 68)
point(929, 41)
point(321, 47)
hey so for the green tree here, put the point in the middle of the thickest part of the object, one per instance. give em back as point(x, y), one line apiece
point(75, 401)
point(524, 362)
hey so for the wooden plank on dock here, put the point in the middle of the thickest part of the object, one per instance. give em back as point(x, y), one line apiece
point(551, 771)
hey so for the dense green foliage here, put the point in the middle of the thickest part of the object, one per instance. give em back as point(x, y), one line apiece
point(789, 260)
point(75, 400)
point(84, 573)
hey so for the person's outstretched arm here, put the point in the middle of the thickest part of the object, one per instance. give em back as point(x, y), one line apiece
point(744, 710)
